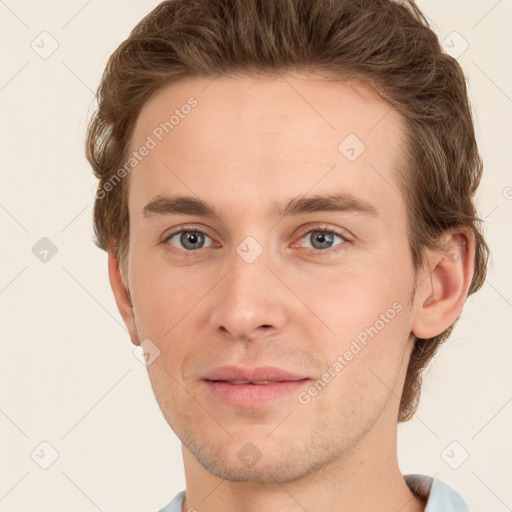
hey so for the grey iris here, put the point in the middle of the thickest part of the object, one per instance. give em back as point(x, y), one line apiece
point(323, 238)
point(192, 238)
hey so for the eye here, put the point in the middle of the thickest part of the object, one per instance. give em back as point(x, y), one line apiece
point(323, 238)
point(190, 240)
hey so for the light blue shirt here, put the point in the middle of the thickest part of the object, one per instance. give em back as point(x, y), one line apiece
point(440, 497)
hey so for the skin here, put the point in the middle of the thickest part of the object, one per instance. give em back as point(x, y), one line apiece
point(248, 142)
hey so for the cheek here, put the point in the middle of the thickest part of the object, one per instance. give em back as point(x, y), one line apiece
point(362, 365)
point(162, 296)
point(369, 318)
point(350, 300)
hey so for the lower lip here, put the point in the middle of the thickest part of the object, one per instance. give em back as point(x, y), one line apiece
point(251, 395)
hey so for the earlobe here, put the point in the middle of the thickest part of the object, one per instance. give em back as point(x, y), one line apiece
point(122, 296)
point(443, 289)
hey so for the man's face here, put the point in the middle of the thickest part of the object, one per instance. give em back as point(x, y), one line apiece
point(322, 294)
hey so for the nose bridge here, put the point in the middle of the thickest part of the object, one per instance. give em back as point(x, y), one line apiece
point(250, 294)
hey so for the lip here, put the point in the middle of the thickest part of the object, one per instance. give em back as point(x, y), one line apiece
point(281, 383)
point(257, 374)
point(253, 395)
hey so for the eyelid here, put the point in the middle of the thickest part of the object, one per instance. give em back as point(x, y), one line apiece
point(326, 227)
point(184, 227)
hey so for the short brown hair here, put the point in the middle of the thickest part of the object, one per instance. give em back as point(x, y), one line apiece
point(387, 44)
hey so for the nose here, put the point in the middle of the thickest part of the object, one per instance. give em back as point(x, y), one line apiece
point(250, 301)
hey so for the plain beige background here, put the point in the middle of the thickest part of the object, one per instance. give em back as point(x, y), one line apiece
point(75, 399)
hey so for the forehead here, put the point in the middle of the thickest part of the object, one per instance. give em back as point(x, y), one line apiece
point(241, 139)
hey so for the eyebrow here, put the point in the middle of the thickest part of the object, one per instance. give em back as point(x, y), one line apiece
point(188, 205)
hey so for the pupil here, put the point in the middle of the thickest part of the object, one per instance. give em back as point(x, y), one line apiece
point(324, 238)
point(189, 239)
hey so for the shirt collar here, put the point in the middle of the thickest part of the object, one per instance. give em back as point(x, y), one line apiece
point(437, 494)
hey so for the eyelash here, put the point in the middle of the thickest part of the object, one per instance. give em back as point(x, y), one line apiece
point(322, 228)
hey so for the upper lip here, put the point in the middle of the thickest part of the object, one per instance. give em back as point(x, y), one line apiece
point(257, 374)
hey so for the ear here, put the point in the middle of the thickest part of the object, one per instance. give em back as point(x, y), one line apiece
point(443, 287)
point(121, 295)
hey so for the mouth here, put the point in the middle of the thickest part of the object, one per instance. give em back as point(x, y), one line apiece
point(256, 375)
point(245, 393)
point(253, 383)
